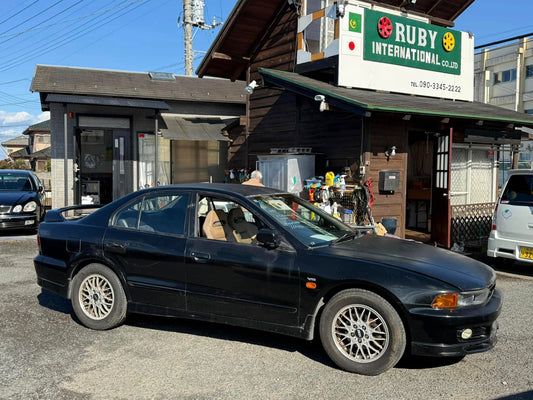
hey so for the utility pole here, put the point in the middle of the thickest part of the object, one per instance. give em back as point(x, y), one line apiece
point(193, 15)
point(187, 27)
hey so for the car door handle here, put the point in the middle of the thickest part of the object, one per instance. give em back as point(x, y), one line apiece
point(530, 225)
point(116, 247)
point(200, 257)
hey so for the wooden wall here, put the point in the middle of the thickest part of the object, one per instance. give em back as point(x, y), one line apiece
point(384, 131)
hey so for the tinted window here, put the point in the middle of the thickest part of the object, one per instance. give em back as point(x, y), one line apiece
point(161, 213)
point(519, 190)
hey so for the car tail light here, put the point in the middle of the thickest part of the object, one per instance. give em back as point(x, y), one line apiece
point(494, 217)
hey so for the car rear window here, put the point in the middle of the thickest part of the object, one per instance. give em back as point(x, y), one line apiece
point(519, 190)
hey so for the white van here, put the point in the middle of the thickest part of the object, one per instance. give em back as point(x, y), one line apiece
point(511, 236)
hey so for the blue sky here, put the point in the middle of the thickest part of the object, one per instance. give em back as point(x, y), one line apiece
point(144, 35)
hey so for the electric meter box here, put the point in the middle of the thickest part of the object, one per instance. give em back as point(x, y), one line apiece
point(389, 181)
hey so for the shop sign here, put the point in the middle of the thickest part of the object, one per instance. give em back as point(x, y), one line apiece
point(402, 41)
point(382, 49)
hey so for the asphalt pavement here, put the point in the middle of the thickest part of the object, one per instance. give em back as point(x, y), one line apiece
point(46, 354)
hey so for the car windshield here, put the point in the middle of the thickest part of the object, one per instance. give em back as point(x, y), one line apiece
point(15, 183)
point(309, 224)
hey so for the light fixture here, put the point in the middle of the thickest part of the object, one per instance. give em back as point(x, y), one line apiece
point(341, 8)
point(323, 105)
point(445, 120)
point(407, 117)
point(390, 152)
point(250, 88)
point(407, 4)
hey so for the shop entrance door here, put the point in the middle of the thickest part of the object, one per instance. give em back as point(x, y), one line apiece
point(122, 163)
point(440, 196)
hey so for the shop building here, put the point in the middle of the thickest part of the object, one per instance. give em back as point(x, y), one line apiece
point(113, 132)
point(373, 89)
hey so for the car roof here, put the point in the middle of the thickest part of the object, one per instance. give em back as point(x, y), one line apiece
point(225, 188)
point(521, 172)
point(104, 213)
point(16, 171)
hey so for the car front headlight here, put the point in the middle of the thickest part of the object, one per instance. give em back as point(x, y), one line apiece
point(31, 206)
point(475, 298)
point(17, 209)
point(461, 300)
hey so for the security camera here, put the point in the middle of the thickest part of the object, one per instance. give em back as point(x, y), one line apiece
point(320, 97)
point(250, 88)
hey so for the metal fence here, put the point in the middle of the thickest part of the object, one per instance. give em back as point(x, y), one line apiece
point(471, 223)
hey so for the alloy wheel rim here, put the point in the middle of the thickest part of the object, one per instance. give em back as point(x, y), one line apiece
point(360, 333)
point(96, 297)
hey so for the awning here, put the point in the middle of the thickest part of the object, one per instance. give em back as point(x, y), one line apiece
point(177, 127)
point(364, 102)
point(106, 101)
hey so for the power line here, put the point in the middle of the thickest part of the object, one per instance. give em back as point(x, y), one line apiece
point(61, 42)
point(41, 27)
point(14, 15)
point(36, 15)
point(53, 16)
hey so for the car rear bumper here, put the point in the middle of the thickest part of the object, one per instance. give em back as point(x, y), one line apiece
point(506, 248)
point(52, 275)
point(438, 333)
point(26, 221)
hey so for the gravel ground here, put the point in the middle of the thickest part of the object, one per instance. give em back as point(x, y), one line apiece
point(46, 354)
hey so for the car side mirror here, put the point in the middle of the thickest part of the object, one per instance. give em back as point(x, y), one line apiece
point(40, 188)
point(268, 238)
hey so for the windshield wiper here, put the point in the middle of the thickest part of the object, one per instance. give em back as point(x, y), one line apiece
point(345, 237)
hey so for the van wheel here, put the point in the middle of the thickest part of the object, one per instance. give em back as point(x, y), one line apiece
point(361, 332)
point(98, 298)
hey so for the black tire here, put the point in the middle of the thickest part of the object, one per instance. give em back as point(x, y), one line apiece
point(98, 297)
point(356, 343)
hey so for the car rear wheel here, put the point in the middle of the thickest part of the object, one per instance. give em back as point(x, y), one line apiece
point(98, 297)
point(361, 332)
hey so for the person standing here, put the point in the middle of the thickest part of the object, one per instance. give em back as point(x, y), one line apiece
point(255, 179)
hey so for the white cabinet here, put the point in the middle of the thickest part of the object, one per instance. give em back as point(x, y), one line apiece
point(286, 171)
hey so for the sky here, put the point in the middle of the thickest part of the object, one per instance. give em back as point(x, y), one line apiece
point(145, 35)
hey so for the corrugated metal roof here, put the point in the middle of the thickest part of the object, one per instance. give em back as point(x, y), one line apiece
point(100, 82)
point(193, 128)
point(106, 101)
point(366, 101)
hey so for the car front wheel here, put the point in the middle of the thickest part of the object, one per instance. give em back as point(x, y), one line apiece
point(361, 332)
point(98, 298)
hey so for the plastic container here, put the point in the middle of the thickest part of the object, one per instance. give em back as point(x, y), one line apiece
point(347, 216)
point(330, 178)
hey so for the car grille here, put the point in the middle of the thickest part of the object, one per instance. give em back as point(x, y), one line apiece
point(4, 209)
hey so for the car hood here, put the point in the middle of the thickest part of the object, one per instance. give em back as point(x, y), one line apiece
point(9, 198)
point(455, 269)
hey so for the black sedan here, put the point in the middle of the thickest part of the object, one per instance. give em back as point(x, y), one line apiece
point(21, 200)
point(255, 257)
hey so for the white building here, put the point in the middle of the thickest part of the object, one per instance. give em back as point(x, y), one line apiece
point(504, 78)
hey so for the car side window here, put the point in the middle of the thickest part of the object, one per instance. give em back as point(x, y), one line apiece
point(225, 220)
point(159, 212)
point(128, 217)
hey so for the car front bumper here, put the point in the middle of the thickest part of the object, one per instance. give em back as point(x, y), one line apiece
point(438, 332)
point(18, 221)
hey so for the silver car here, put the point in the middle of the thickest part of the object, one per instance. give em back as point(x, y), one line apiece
point(511, 236)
